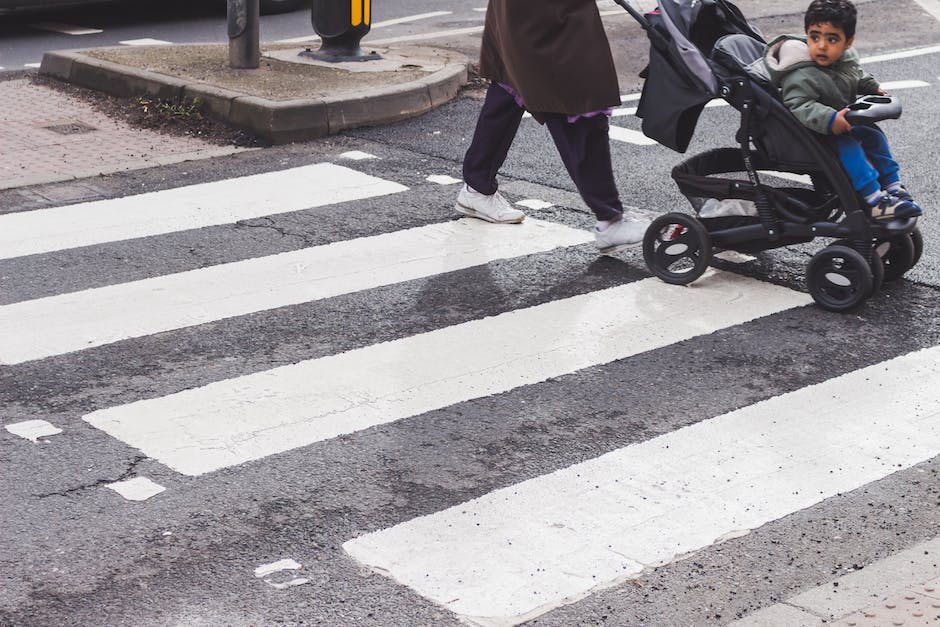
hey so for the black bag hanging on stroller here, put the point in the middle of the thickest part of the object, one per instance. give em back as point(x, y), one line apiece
point(703, 49)
point(679, 81)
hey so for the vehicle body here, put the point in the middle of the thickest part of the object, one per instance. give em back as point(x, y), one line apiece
point(8, 6)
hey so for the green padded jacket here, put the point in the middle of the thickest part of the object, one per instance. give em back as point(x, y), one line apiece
point(812, 92)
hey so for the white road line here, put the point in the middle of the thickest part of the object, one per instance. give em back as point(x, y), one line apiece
point(145, 42)
point(456, 32)
point(893, 85)
point(191, 207)
point(64, 323)
point(930, 6)
point(32, 65)
point(621, 134)
point(65, 29)
point(382, 24)
point(238, 420)
point(901, 54)
point(519, 551)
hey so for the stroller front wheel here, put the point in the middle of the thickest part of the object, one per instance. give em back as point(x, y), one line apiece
point(839, 278)
point(677, 248)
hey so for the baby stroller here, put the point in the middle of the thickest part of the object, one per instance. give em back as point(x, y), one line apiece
point(703, 49)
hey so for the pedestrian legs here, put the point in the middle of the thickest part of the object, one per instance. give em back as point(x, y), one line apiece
point(496, 128)
point(584, 147)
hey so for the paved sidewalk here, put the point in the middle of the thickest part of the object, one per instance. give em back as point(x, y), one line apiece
point(48, 136)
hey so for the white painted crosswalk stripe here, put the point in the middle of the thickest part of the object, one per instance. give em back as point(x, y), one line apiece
point(191, 207)
point(620, 134)
point(231, 422)
point(60, 324)
point(522, 550)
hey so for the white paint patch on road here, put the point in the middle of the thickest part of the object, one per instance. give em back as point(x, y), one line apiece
point(246, 418)
point(788, 176)
point(136, 489)
point(65, 29)
point(265, 572)
point(267, 569)
point(621, 134)
point(60, 324)
point(534, 203)
point(145, 42)
point(522, 550)
point(734, 256)
point(443, 179)
point(32, 65)
point(33, 429)
point(182, 208)
point(357, 155)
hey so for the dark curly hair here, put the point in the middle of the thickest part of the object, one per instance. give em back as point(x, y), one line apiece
point(839, 13)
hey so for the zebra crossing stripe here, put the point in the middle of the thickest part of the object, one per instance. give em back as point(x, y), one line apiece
point(621, 134)
point(250, 417)
point(64, 323)
point(181, 208)
point(522, 550)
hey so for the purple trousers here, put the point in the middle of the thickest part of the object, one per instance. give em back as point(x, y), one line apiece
point(584, 147)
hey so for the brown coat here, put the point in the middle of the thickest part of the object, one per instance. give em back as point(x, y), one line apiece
point(554, 53)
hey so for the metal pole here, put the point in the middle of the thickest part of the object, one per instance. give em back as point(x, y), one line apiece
point(244, 33)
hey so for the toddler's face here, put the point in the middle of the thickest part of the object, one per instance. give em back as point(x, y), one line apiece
point(826, 43)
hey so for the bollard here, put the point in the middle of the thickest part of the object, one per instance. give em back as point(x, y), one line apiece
point(341, 24)
point(244, 41)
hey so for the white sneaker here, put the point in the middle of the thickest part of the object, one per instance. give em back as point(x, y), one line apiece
point(622, 234)
point(492, 208)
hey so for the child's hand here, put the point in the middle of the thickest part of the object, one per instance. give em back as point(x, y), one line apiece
point(882, 92)
point(840, 124)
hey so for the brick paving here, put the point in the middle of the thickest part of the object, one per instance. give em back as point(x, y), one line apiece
point(48, 136)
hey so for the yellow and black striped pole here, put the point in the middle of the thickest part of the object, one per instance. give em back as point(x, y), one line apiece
point(341, 24)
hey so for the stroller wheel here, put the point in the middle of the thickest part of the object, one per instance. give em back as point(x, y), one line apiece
point(677, 248)
point(877, 272)
point(897, 254)
point(918, 240)
point(839, 278)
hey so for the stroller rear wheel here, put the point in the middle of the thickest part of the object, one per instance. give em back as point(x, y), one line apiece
point(839, 278)
point(677, 248)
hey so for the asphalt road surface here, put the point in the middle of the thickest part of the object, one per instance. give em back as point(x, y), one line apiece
point(292, 386)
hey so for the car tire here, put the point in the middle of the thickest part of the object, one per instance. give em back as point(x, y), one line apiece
point(269, 7)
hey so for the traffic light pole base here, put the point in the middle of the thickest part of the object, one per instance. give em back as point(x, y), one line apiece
point(340, 55)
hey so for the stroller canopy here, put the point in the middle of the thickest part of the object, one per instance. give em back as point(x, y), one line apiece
point(679, 78)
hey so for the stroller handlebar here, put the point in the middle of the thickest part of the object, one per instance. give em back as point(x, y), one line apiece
point(636, 14)
point(869, 109)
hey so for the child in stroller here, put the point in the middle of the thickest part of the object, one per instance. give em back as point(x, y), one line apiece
point(704, 49)
point(819, 77)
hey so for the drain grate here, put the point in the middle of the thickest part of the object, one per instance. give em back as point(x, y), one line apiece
point(72, 128)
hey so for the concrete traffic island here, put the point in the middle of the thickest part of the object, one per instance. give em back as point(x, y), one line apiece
point(288, 98)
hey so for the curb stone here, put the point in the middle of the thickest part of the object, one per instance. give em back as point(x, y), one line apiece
point(278, 121)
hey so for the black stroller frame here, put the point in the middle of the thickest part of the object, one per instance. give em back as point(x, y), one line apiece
point(688, 69)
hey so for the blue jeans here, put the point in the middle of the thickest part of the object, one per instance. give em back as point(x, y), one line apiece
point(867, 158)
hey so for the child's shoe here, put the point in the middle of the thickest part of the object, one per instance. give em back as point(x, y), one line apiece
point(891, 207)
point(903, 194)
